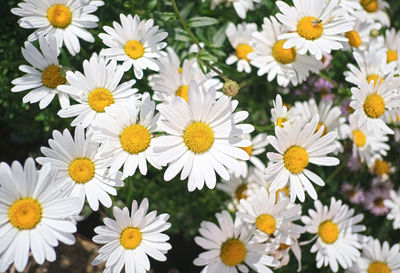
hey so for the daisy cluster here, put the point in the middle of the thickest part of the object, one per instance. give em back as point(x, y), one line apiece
point(189, 126)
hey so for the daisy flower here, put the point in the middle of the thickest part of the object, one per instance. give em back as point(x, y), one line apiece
point(355, 194)
point(350, 6)
point(392, 45)
point(295, 154)
point(243, 6)
point(381, 168)
point(34, 215)
point(94, 90)
point(377, 258)
point(336, 227)
point(81, 170)
point(257, 147)
point(126, 135)
point(280, 113)
point(240, 38)
point(131, 238)
point(44, 74)
point(314, 26)
point(360, 37)
point(270, 56)
point(134, 42)
point(230, 248)
point(203, 137)
point(282, 254)
point(393, 204)
point(65, 20)
point(373, 10)
point(375, 200)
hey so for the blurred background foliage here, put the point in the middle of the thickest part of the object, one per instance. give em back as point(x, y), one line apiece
point(25, 128)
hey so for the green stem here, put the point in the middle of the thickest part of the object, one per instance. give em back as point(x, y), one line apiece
point(335, 172)
point(326, 77)
point(265, 127)
point(214, 69)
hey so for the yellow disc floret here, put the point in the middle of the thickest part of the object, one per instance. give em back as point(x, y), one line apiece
point(100, 98)
point(242, 50)
point(359, 138)
point(374, 106)
point(381, 167)
point(198, 137)
point(320, 124)
point(52, 77)
point(25, 213)
point(183, 92)
point(391, 56)
point(59, 16)
point(328, 231)
point(280, 122)
point(310, 28)
point(295, 159)
point(135, 139)
point(378, 267)
point(354, 38)
point(130, 237)
point(266, 223)
point(369, 5)
point(283, 55)
point(240, 192)
point(375, 78)
point(248, 149)
point(233, 252)
point(81, 170)
point(134, 49)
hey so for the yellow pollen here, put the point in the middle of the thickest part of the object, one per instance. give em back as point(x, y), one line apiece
point(183, 91)
point(381, 167)
point(266, 223)
point(130, 237)
point(378, 267)
point(248, 149)
point(134, 49)
point(280, 122)
point(52, 77)
point(310, 28)
point(369, 5)
point(59, 16)
point(180, 70)
point(135, 139)
point(198, 137)
point(374, 106)
point(391, 56)
point(282, 55)
point(25, 213)
point(359, 138)
point(242, 50)
point(99, 99)
point(374, 77)
point(81, 170)
point(354, 38)
point(233, 252)
point(240, 192)
point(328, 231)
point(319, 126)
point(295, 159)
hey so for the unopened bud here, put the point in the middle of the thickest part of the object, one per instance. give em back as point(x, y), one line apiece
point(230, 88)
point(374, 33)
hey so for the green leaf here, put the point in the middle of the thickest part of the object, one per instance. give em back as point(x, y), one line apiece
point(206, 56)
point(186, 10)
point(151, 5)
point(202, 21)
point(219, 36)
point(166, 16)
point(181, 35)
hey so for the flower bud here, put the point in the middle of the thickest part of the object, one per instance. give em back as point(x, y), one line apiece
point(230, 88)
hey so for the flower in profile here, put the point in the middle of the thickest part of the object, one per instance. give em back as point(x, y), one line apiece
point(360, 37)
point(131, 238)
point(394, 206)
point(392, 45)
point(375, 200)
point(373, 11)
point(281, 114)
point(65, 20)
point(257, 147)
point(243, 6)
point(354, 194)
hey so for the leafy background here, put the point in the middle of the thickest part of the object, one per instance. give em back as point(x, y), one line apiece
point(25, 128)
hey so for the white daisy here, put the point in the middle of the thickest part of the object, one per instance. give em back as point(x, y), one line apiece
point(81, 170)
point(131, 238)
point(314, 26)
point(203, 137)
point(336, 228)
point(257, 147)
point(136, 43)
point(373, 11)
point(392, 45)
point(381, 167)
point(394, 205)
point(360, 37)
point(243, 6)
point(270, 56)
point(66, 20)
point(241, 40)
point(230, 248)
point(34, 215)
point(94, 90)
point(44, 74)
point(377, 258)
point(295, 154)
point(126, 135)
point(280, 113)
point(350, 6)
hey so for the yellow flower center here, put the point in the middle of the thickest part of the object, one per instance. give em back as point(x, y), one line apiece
point(391, 56)
point(183, 91)
point(266, 223)
point(52, 77)
point(99, 99)
point(295, 159)
point(381, 167)
point(135, 139)
point(198, 137)
point(328, 231)
point(242, 50)
point(310, 28)
point(354, 38)
point(283, 246)
point(59, 16)
point(359, 138)
point(180, 70)
point(374, 106)
point(378, 267)
point(130, 237)
point(375, 78)
point(25, 213)
point(319, 126)
point(239, 194)
point(369, 5)
point(134, 49)
point(285, 190)
point(280, 122)
point(233, 252)
point(283, 55)
point(248, 149)
point(81, 170)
